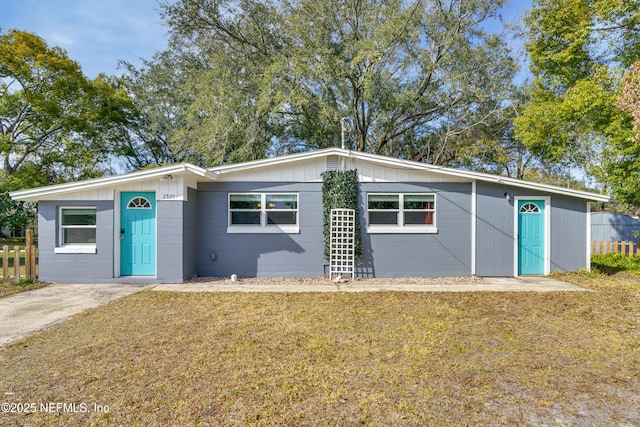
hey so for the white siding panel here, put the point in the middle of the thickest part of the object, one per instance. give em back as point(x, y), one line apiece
point(164, 189)
point(311, 171)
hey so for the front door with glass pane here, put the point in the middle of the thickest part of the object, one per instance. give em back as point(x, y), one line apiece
point(531, 237)
point(138, 234)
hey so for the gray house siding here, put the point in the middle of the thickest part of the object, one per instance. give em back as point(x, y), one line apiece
point(169, 247)
point(568, 234)
point(252, 255)
point(495, 230)
point(74, 268)
point(301, 255)
point(190, 234)
point(445, 253)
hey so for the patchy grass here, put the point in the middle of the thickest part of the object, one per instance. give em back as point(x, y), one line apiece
point(11, 288)
point(161, 358)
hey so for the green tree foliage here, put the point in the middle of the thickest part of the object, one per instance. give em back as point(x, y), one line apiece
point(277, 76)
point(55, 124)
point(578, 50)
point(157, 134)
point(50, 113)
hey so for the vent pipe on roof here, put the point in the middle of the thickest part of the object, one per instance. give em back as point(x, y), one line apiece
point(347, 126)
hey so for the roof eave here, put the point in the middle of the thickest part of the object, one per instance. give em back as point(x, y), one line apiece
point(35, 194)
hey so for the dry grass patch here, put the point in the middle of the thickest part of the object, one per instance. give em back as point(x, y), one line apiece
point(161, 358)
point(11, 288)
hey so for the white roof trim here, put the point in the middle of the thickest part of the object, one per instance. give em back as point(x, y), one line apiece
point(212, 173)
point(36, 194)
point(407, 164)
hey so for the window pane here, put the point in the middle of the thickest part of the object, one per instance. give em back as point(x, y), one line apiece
point(418, 218)
point(84, 216)
point(282, 201)
point(244, 201)
point(281, 218)
point(383, 201)
point(418, 201)
point(244, 218)
point(79, 235)
point(383, 218)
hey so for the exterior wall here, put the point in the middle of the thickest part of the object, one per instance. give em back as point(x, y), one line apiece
point(494, 230)
point(190, 234)
point(190, 231)
point(254, 255)
point(446, 253)
point(75, 268)
point(495, 240)
point(568, 234)
point(169, 247)
point(176, 243)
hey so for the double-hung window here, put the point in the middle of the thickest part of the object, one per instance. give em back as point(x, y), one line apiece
point(401, 213)
point(263, 213)
point(77, 230)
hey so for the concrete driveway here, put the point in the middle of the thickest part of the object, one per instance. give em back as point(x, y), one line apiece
point(31, 311)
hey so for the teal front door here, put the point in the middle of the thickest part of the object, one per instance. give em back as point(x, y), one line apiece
point(531, 237)
point(137, 234)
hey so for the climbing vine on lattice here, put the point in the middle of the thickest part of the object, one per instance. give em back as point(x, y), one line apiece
point(340, 190)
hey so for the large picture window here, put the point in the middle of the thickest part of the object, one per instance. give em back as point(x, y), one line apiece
point(263, 213)
point(400, 212)
point(77, 229)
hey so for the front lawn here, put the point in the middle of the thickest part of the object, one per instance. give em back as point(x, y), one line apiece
point(161, 358)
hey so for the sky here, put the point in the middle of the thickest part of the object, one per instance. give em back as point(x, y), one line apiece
point(95, 33)
point(99, 33)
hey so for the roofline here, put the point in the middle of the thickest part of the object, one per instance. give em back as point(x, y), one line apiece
point(211, 174)
point(394, 162)
point(35, 194)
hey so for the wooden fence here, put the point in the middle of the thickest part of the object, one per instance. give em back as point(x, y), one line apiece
point(14, 272)
point(625, 248)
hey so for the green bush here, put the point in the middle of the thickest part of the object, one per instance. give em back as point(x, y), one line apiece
point(611, 263)
point(340, 190)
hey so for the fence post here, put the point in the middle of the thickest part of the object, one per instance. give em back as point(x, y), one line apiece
point(5, 262)
point(16, 263)
point(32, 261)
point(27, 264)
point(601, 247)
point(28, 249)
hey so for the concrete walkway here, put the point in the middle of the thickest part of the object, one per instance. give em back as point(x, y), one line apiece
point(489, 284)
point(28, 312)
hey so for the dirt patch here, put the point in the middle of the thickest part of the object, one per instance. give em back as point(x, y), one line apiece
point(323, 281)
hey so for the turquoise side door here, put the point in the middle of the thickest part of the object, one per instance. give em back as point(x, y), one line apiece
point(137, 234)
point(531, 237)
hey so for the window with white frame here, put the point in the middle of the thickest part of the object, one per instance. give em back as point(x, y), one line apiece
point(263, 213)
point(77, 229)
point(400, 212)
